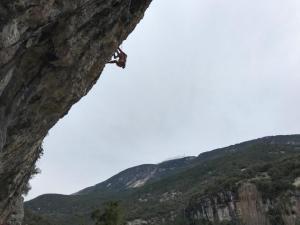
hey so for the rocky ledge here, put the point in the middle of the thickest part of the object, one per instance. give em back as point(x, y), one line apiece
point(51, 54)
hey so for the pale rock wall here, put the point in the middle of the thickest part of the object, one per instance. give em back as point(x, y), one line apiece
point(245, 207)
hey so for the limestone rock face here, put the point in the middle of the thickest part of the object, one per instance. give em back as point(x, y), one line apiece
point(245, 206)
point(251, 207)
point(51, 54)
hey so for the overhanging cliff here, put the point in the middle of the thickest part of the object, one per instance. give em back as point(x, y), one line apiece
point(51, 53)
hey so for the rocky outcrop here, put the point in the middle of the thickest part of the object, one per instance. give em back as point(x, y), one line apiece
point(244, 207)
point(214, 208)
point(51, 54)
point(250, 206)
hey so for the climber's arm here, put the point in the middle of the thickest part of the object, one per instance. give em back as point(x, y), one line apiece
point(121, 52)
point(113, 61)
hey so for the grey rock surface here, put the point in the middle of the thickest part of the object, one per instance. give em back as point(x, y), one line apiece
point(244, 207)
point(51, 54)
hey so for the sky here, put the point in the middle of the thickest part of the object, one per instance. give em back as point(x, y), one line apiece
point(201, 74)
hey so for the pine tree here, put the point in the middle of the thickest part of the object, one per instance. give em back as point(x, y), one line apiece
point(111, 215)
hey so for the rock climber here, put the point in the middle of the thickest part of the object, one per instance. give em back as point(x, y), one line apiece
point(120, 58)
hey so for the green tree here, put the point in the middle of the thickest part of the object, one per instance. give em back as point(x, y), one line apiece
point(111, 215)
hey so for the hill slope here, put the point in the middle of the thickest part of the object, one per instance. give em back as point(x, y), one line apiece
point(213, 187)
point(138, 176)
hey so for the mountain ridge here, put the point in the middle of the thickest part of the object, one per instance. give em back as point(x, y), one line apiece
point(171, 190)
point(277, 139)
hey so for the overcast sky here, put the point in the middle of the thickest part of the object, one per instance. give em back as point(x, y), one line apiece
point(201, 74)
